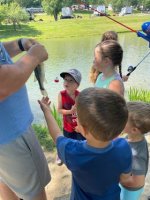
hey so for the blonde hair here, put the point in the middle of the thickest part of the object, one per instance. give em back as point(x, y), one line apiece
point(139, 115)
point(103, 112)
point(93, 74)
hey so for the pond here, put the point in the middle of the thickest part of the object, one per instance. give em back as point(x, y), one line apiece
point(78, 53)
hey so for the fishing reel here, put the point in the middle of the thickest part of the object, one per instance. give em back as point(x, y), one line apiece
point(130, 69)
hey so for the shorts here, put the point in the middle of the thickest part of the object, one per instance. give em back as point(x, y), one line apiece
point(130, 195)
point(73, 135)
point(23, 166)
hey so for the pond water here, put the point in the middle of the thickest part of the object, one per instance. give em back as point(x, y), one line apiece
point(78, 53)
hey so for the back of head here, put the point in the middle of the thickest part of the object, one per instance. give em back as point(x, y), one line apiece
point(139, 115)
point(102, 112)
point(109, 35)
point(112, 50)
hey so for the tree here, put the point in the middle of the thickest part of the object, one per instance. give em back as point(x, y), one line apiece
point(23, 3)
point(52, 7)
point(15, 14)
point(147, 4)
point(118, 4)
point(2, 13)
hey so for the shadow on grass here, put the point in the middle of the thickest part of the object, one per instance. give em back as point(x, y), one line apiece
point(64, 197)
point(7, 31)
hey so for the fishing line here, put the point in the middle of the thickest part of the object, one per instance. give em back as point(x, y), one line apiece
point(131, 68)
point(132, 30)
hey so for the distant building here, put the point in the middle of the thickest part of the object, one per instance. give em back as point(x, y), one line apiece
point(66, 13)
point(126, 10)
point(100, 10)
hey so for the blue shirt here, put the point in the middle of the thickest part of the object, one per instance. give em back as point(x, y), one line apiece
point(15, 112)
point(95, 171)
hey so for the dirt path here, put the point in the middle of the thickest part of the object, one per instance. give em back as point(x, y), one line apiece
point(59, 187)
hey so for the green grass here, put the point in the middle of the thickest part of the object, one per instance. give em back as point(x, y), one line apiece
point(135, 94)
point(43, 136)
point(80, 27)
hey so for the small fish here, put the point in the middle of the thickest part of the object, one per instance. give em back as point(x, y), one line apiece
point(40, 76)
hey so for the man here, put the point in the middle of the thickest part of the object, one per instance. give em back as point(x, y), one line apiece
point(23, 168)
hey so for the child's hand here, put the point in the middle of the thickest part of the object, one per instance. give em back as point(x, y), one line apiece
point(73, 109)
point(125, 78)
point(77, 129)
point(45, 103)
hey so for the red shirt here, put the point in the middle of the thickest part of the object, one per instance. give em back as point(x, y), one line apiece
point(69, 121)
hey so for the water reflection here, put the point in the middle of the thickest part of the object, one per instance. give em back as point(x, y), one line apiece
point(78, 53)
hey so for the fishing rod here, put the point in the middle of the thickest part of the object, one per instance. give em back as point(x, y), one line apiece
point(145, 26)
point(131, 68)
point(145, 34)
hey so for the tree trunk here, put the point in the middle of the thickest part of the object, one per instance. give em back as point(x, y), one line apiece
point(55, 15)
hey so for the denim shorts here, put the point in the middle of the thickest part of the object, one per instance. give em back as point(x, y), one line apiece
point(73, 135)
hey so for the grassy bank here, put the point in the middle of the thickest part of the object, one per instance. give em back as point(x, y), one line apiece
point(79, 27)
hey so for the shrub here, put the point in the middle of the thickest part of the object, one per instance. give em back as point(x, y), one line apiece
point(43, 136)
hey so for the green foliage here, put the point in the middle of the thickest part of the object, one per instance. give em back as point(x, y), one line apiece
point(44, 137)
point(147, 4)
point(15, 14)
point(139, 95)
point(43, 134)
point(52, 7)
point(57, 116)
point(23, 3)
point(2, 13)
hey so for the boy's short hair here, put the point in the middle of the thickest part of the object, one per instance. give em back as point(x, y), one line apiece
point(74, 73)
point(139, 115)
point(102, 112)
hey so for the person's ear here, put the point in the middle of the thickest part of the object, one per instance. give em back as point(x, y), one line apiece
point(135, 130)
point(108, 61)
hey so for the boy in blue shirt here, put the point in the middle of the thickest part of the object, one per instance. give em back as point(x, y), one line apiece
point(99, 163)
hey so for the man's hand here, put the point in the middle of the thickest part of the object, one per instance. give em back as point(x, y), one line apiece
point(39, 53)
point(27, 43)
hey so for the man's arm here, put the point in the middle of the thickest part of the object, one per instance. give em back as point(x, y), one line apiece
point(13, 48)
point(13, 76)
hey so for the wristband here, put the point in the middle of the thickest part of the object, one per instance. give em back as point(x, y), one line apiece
point(20, 45)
